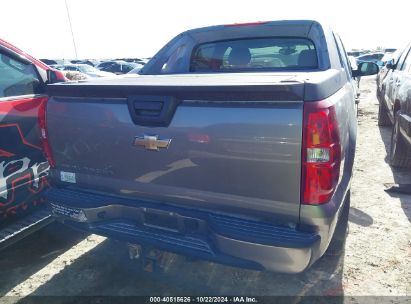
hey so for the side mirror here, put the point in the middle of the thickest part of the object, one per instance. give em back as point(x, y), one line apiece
point(366, 69)
point(55, 76)
point(391, 65)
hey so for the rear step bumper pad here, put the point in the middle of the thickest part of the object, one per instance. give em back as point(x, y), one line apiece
point(215, 237)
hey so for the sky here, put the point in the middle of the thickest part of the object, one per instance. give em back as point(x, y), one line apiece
point(139, 28)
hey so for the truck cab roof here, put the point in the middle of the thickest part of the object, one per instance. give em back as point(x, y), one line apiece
point(319, 34)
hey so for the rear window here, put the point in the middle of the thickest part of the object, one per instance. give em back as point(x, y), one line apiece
point(254, 55)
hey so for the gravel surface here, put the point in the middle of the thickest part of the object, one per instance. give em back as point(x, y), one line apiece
point(377, 260)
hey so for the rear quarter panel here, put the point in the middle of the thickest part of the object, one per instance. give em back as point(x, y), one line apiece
point(324, 217)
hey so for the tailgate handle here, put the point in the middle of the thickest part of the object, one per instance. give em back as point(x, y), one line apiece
point(152, 110)
point(148, 108)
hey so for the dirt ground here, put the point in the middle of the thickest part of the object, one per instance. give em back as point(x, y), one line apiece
point(376, 261)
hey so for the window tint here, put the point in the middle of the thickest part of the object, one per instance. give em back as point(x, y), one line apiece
point(174, 64)
point(17, 78)
point(254, 54)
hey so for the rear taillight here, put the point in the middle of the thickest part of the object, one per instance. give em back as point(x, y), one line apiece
point(43, 134)
point(321, 152)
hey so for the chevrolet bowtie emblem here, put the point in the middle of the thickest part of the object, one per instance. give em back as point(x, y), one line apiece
point(151, 142)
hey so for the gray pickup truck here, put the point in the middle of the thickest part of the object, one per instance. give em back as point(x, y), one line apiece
point(235, 144)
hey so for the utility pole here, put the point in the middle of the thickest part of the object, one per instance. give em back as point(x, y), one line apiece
point(71, 29)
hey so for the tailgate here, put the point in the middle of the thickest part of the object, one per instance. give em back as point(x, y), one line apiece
point(229, 148)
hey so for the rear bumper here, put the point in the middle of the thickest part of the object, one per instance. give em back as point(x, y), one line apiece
point(220, 238)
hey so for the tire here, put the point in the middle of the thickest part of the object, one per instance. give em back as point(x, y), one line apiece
point(383, 118)
point(337, 244)
point(400, 150)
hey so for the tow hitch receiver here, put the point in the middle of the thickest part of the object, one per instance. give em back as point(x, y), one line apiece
point(151, 260)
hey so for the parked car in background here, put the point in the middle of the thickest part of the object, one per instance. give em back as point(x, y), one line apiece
point(106, 63)
point(90, 62)
point(372, 57)
point(119, 67)
point(49, 61)
point(395, 108)
point(389, 50)
point(135, 60)
point(356, 53)
point(390, 60)
point(136, 70)
point(23, 167)
point(144, 60)
point(85, 69)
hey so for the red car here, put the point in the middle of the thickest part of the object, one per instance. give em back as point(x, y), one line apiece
point(23, 167)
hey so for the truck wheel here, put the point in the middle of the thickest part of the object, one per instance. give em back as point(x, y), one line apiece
point(337, 243)
point(383, 118)
point(400, 152)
